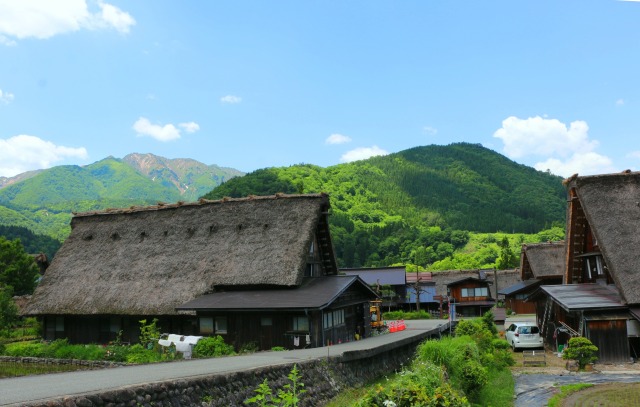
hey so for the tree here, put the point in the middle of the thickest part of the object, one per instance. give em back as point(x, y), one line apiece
point(582, 350)
point(507, 258)
point(18, 270)
point(8, 309)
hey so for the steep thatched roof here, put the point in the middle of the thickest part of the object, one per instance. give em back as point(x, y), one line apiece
point(546, 260)
point(147, 261)
point(611, 204)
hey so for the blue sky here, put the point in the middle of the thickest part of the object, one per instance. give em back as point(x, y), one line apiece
point(254, 84)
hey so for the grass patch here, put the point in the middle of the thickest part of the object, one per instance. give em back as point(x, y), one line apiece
point(610, 394)
point(499, 391)
point(566, 391)
point(14, 369)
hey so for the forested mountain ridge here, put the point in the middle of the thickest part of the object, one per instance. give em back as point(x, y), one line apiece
point(462, 186)
point(417, 206)
point(43, 202)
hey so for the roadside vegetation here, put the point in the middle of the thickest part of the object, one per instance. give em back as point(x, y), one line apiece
point(468, 369)
point(147, 351)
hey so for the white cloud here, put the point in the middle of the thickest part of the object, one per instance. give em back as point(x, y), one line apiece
point(5, 97)
point(584, 164)
point(362, 153)
point(167, 132)
point(190, 127)
point(431, 131)
point(231, 99)
point(44, 18)
point(112, 16)
point(620, 102)
point(24, 153)
point(337, 139)
point(566, 150)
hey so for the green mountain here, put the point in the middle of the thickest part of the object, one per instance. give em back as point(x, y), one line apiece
point(43, 201)
point(418, 202)
point(190, 177)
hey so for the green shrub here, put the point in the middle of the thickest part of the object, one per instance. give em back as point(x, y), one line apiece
point(288, 396)
point(397, 315)
point(488, 322)
point(249, 347)
point(500, 344)
point(27, 349)
point(582, 350)
point(473, 378)
point(211, 347)
point(278, 349)
point(468, 327)
point(138, 354)
point(149, 333)
point(116, 353)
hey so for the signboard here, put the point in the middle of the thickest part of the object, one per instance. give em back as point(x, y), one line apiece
point(452, 312)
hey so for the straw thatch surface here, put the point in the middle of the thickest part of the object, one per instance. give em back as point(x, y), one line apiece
point(612, 206)
point(546, 260)
point(147, 261)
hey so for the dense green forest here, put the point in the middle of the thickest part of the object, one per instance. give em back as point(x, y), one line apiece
point(32, 243)
point(422, 205)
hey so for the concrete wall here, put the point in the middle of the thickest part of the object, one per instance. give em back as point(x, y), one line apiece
point(323, 379)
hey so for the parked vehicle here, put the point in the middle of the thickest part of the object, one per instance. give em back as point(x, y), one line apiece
point(524, 335)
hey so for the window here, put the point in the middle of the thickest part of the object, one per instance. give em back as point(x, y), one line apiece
point(594, 266)
point(221, 325)
point(328, 320)
point(338, 317)
point(333, 318)
point(475, 292)
point(300, 323)
point(266, 321)
point(206, 325)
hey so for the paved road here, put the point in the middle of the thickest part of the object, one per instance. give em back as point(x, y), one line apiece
point(14, 391)
point(537, 389)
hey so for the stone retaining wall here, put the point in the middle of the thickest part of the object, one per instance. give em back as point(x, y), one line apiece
point(51, 361)
point(323, 379)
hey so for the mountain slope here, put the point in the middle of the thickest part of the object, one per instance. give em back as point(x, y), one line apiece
point(192, 178)
point(43, 200)
point(414, 206)
point(463, 186)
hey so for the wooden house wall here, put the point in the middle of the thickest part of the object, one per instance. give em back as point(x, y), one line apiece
point(520, 306)
point(611, 339)
point(456, 291)
point(102, 329)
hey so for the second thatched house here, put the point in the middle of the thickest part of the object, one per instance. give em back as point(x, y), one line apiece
point(256, 270)
point(540, 263)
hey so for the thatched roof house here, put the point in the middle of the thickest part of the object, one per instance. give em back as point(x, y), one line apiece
point(149, 260)
point(121, 265)
point(600, 273)
point(607, 208)
point(542, 260)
